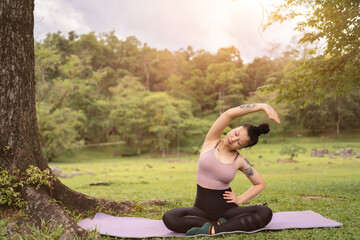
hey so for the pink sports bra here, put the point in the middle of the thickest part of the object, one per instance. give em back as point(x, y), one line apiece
point(214, 174)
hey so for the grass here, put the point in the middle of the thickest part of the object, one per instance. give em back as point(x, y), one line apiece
point(330, 187)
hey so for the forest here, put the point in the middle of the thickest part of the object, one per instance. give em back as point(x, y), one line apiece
point(91, 87)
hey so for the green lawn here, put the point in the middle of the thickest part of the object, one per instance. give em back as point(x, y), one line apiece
point(330, 187)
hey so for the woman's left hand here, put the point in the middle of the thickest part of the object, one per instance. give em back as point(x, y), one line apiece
point(230, 197)
point(270, 112)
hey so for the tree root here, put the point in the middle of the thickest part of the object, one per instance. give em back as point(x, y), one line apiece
point(48, 205)
point(42, 207)
point(80, 202)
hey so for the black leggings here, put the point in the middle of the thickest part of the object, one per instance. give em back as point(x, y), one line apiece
point(209, 206)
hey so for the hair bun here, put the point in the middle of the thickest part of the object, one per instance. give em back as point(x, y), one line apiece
point(262, 128)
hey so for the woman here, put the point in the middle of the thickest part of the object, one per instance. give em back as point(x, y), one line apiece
point(216, 206)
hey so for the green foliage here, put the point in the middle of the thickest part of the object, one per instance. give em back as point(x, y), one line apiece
point(165, 115)
point(292, 150)
point(334, 71)
point(223, 79)
point(229, 54)
point(340, 113)
point(90, 86)
point(129, 115)
point(8, 184)
point(259, 70)
point(59, 129)
point(47, 230)
point(35, 176)
point(11, 181)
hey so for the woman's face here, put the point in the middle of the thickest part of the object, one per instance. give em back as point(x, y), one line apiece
point(237, 138)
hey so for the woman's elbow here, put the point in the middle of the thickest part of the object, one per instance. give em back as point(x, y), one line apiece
point(262, 186)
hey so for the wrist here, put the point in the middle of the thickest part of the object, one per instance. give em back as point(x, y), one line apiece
point(261, 106)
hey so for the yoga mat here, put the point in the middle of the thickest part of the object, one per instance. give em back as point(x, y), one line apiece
point(132, 227)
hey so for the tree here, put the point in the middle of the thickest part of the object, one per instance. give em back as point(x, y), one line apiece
point(201, 60)
point(292, 150)
point(19, 142)
point(223, 77)
point(129, 118)
point(334, 70)
point(163, 118)
point(128, 114)
point(175, 86)
point(199, 91)
point(342, 112)
point(168, 118)
point(58, 129)
point(164, 67)
point(229, 54)
point(259, 70)
point(147, 61)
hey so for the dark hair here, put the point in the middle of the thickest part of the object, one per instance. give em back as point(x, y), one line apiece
point(254, 132)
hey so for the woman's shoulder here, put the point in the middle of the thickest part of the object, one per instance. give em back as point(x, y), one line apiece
point(242, 162)
point(209, 145)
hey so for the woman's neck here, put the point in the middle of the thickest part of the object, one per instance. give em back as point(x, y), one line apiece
point(222, 147)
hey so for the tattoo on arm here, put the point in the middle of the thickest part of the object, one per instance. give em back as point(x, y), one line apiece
point(249, 172)
point(248, 105)
point(247, 161)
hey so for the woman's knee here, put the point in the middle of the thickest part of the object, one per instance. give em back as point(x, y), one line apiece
point(171, 218)
point(265, 214)
point(168, 218)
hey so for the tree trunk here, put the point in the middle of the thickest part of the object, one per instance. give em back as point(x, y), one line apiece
point(139, 135)
point(221, 99)
point(18, 123)
point(178, 145)
point(338, 123)
point(220, 108)
point(138, 146)
point(162, 147)
point(147, 73)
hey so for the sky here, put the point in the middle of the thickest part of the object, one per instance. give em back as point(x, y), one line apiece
point(171, 24)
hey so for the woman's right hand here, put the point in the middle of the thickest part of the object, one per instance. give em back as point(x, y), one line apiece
point(270, 112)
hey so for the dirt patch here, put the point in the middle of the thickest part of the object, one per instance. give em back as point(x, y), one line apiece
point(286, 160)
point(7, 212)
point(155, 202)
point(100, 183)
point(313, 197)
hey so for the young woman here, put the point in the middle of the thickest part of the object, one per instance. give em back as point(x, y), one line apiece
point(216, 206)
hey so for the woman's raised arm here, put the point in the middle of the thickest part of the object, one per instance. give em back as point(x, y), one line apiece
point(224, 120)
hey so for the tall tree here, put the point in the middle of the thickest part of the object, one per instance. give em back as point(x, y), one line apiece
point(164, 66)
point(229, 54)
point(335, 70)
point(19, 142)
point(223, 77)
point(128, 114)
point(340, 113)
point(147, 60)
point(259, 70)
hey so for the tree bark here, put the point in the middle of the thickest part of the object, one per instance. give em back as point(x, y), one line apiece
point(18, 123)
point(221, 99)
point(339, 117)
point(138, 142)
point(18, 126)
point(178, 145)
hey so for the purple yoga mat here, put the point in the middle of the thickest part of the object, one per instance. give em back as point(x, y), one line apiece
point(133, 227)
